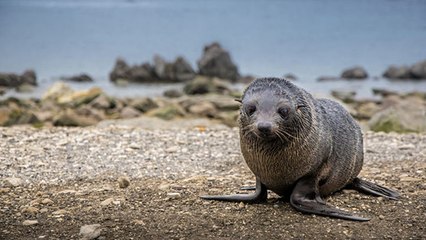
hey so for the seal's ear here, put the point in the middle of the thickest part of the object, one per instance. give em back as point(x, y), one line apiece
point(238, 100)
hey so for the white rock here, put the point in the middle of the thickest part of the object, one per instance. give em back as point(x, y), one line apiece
point(13, 182)
point(92, 231)
point(29, 222)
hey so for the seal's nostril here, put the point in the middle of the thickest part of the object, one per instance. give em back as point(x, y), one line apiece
point(264, 127)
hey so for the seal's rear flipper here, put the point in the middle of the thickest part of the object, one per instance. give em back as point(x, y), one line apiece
point(374, 189)
point(260, 195)
point(306, 199)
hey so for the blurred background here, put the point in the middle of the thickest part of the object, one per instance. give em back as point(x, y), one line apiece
point(265, 38)
point(310, 41)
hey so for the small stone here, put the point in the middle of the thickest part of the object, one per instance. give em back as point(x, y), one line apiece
point(13, 182)
point(30, 210)
point(29, 222)
point(174, 195)
point(68, 191)
point(44, 210)
point(46, 201)
point(241, 205)
point(107, 201)
point(381, 217)
point(60, 212)
point(88, 232)
point(123, 182)
point(4, 190)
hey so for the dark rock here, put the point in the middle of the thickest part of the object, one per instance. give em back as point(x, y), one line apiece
point(120, 70)
point(167, 112)
point(182, 70)
point(383, 92)
point(29, 77)
point(327, 78)
point(79, 78)
point(203, 85)
point(70, 118)
point(143, 104)
point(395, 72)
point(12, 80)
point(418, 70)
point(216, 62)
point(354, 73)
point(290, 76)
point(2, 90)
point(172, 93)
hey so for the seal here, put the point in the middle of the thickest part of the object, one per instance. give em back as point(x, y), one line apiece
point(300, 147)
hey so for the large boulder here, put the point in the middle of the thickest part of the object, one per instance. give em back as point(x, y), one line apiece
point(182, 70)
point(12, 80)
point(204, 85)
point(167, 112)
point(120, 71)
point(69, 117)
point(397, 72)
point(57, 90)
point(178, 71)
point(356, 72)
point(407, 115)
point(78, 98)
point(418, 70)
point(216, 62)
point(78, 78)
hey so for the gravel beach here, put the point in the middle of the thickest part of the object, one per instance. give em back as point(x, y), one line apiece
point(144, 184)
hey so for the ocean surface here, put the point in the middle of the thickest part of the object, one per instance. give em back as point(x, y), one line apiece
point(308, 38)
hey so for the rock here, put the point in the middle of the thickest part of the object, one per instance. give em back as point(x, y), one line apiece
point(70, 118)
point(203, 85)
point(57, 90)
point(327, 78)
point(345, 96)
point(93, 113)
point(107, 202)
point(88, 232)
point(12, 80)
point(161, 67)
point(17, 115)
point(78, 78)
point(418, 70)
point(143, 104)
point(129, 112)
point(78, 98)
point(172, 93)
point(13, 182)
point(407, 115)
point(216, 62)
point(182, 70)
point(383, 92)
point(102, 102)
point(167, 112)
point(30, 210)
point(290, 76)
point(46, 201)
point(120, 71)
point(229, 118)
point(29, 222)
point(205, 109)
point(356, 72)
point(2, 90)
point(246, 79)
point(366, 110)
point(142, 73)
point(9, 80)
point(174, 195)
point(25, 88)
point(29, 77)
point(395, 72)
point(123, 182)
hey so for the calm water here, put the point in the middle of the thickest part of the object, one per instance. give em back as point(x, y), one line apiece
point(309, 38)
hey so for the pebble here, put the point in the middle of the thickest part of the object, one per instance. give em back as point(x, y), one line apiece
point(13, 182)
point(29, 222)
point(30, 210)
point(46, 201)
point(107, 202)
point(123, 182)
point(92, 231)
point(173, 195)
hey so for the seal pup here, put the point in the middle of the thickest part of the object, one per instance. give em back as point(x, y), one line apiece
point(300, 147)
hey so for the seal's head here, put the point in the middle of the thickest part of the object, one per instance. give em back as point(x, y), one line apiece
point(274, 109)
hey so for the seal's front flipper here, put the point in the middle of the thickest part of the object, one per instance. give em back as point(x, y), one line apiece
point(260, 195)
point(374, 189)
point(306, 199)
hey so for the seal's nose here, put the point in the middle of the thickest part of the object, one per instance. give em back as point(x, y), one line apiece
point(264, 127)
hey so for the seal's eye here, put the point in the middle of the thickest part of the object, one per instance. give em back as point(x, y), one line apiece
point(283, 112)
point(250, 109)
